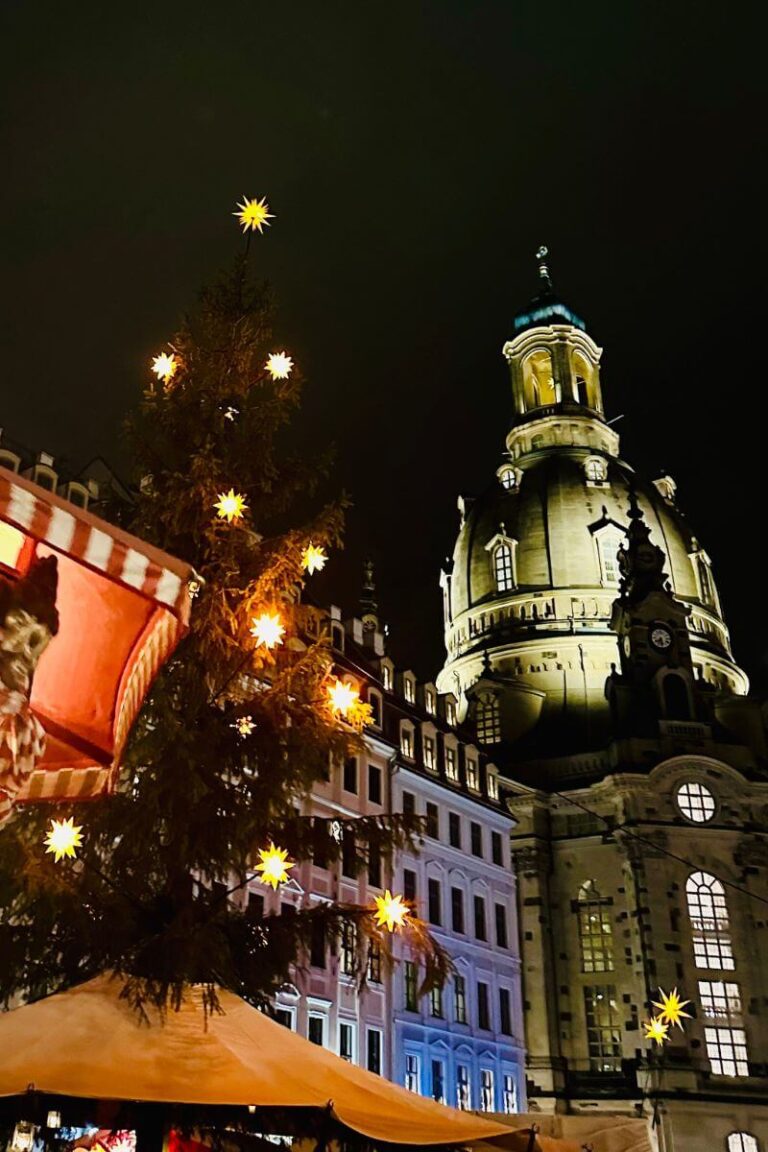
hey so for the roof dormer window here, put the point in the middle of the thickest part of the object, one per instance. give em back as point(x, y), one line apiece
point(409, 689)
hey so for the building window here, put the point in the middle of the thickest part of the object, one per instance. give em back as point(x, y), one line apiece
point(595, 930)
point(374, 962)
point(451, 769)
point(595, 470)
point(284, 1016)
point(411, 986)
point(473, 780)
point(433, 821)
point(349, 858)
point(509, 1094)
point(409, 690)
point(486, 1090)
point(709, 921)
point(317, 945)
point(374, 1047)
point(603, 1028)
point(348, 949)
point(493, 785)
point(438, 1081)
point(608, 547)
point(505, 1012)
point(412, 1072)
point(409, 884)
point(374, 866)
point(374, 784)
point(386, 677)
point(497, 854)
point(696, 802)
point(742, 1142)
point(483, 1006)
point(406, 742)
point(481, 931)
point(502, 568)
point(350, 775)
point(457, 910)
point(450, 713)
point(508, 478)
point(460, 998)
point(409, 804)
point(720, 1000)
point(488, 722)
point(428, 743)
point(347, 1041)
point(430, 701)
point(436, 1003)
point(375, 702)
point(433, 901)
point(454, 830)
point(727, 1051)
point(501, 926)
point(316, 1030)
point(476, 839)
point(705, 582)
point(464, 1091)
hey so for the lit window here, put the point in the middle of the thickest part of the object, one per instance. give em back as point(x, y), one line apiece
point(508, 478)
point(742, 1142)
point(603, 1028)
point(460, 998)
point(488, 721)
point(486, 1090)
point(609, 544)
point(509, 1094)
point(412, 1072)
point(386, 677)
point(428, 744)
point(493, 786)
point(436, 1003)
point(595, 470)
point(347, 1041)
point(502, 567)
point(473, 780)
point(429, 701)
point(450, 712)
point(696, 802)
point(11, 544)
point(709, 921)
point(720, 1000)
point(406, 742)
point(727, 1051)
point(451, 769)
point(595, 930)
point(464, 1091)
point(408, 690)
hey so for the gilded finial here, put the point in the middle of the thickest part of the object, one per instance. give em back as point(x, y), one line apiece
point(544, 275)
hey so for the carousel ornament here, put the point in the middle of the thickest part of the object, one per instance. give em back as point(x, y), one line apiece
point(28, 622)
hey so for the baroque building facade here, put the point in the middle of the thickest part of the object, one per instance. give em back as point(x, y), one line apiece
point(586, 645)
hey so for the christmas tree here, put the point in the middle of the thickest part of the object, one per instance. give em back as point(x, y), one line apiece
point(243, 720)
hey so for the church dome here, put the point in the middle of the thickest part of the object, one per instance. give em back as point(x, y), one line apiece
point(530, 588)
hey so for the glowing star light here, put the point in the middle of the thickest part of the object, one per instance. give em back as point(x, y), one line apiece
point(657, 1030)
point(274, 866)
point(391, 912)
point(244, 725)
point(343, 697)
point(63, 838)
point(230, 505)
point(671, 1008)
point(165, 367)
point(253, 214)
point(313, 559)
point(279, 365)
point(267, 629)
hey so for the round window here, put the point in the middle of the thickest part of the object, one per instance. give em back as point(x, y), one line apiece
point(696, 802)
point(507, 477)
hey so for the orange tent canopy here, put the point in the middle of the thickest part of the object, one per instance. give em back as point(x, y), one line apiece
point(123, 607)
point(87, 1042)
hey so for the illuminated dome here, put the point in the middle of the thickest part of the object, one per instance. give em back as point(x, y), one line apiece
point(529, 591)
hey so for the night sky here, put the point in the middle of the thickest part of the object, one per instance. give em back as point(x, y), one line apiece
point(415, 155)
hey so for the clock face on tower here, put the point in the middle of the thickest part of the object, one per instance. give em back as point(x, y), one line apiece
point(660, 637)
point(627, 646)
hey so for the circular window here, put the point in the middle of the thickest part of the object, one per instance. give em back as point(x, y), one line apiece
point(696, 802)
point(507, 477)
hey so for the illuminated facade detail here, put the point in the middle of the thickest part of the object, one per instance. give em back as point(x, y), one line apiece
point(709, 922)
point(696, 802)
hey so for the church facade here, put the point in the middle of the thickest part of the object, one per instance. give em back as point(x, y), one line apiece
point(586, 647)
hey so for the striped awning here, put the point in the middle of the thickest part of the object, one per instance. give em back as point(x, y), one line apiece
point(123, 607)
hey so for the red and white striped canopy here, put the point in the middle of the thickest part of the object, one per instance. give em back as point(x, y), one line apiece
point(123, 607)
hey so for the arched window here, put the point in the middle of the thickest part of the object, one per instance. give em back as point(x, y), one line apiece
point(595, 930)
point(503, 569)
point(538, 380)
point(595, 470)
point(709, 921)
point(608, 545)
point(507, 478)
point(677, 704)
point(742, 1142)
point(488, 721)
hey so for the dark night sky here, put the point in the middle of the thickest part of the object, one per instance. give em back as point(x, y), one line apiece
point(415, 155)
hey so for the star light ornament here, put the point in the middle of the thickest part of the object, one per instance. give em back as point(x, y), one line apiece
point(274, 866)
point(267, 629)
point(165, 367)
point(244, 725)
point(313, 559)
point(279, 365)
point(391, 912)
point(63, 838)
point(253, 214)
point(671, 1008)
point(657, 1030)
point(343, 697)
point(230, 505)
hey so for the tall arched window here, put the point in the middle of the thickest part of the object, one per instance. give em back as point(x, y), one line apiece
point(595, 930)
point(742, 1142)
point(709, 921)
point(608, 545)
point(502, 567)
